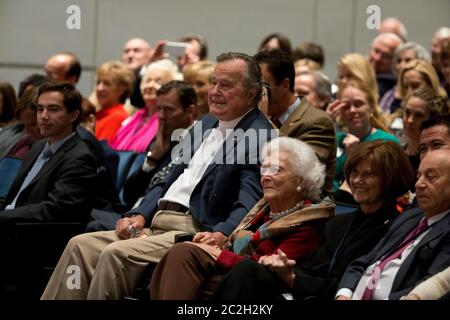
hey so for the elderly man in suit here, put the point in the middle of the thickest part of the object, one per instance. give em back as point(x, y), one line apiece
point(203, 194)
point(416, 246)
point(297, 118)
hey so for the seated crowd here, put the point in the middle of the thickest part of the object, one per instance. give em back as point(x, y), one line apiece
point(258, 177)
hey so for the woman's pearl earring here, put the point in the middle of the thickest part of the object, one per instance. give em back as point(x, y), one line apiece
point(299, 189)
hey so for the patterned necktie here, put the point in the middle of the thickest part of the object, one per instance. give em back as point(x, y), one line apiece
point(40, 161)
point(381, 264)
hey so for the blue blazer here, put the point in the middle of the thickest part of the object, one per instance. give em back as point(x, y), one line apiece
point(429, 257)
point(226, 192)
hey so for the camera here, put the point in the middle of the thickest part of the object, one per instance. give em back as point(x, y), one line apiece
point(175, 49)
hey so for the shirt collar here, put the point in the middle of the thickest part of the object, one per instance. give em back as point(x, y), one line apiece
point(437, 217)
point(56, 145)
point(289, 111)
point(232, 123)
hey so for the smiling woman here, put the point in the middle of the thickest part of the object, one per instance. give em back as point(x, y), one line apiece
point(374, 184)
point(359, 112)
point(113, 85)
point(290, 218)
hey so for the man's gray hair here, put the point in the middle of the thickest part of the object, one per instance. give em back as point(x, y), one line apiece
point(303, 161)
point(323, 84)
point(253, 75)
point(420, 51)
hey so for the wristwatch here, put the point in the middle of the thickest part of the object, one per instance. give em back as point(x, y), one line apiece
point(146, 166)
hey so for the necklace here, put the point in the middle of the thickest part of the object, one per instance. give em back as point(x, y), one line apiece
point(274, 215)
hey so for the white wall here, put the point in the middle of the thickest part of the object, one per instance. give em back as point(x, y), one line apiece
point(32, 30)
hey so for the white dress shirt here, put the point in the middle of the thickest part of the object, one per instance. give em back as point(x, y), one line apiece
point(180, 191)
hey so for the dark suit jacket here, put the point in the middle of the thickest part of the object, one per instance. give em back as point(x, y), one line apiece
point(106, 197)
point(429, 257)
point(61, 191)
point(226, 192)
point(314, 127)
point(347, 237)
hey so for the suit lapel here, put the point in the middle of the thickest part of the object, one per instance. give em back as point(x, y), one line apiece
point(196, 136)
point(437, 230)
point(231, 140)
point(295, 116)
point(400, 234)
point(55, 159)
point(24, 169)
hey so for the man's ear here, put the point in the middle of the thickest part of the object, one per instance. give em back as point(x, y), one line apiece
point(72, 79)
point(251, 95)
point(286, 83)
point(191, 111)
point(74, 115)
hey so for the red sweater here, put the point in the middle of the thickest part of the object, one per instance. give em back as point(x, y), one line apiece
point(297, 245)
point(109, 121)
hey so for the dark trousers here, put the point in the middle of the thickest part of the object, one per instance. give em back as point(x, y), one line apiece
point(249, 280)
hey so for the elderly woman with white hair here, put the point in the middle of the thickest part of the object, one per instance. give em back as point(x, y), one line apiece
point(290, 217)
point(139, 130)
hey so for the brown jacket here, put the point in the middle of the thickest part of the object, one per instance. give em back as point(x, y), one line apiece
point(314, 126)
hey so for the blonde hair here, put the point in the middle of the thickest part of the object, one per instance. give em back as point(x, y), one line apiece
point(311, 64)
point(376, 119)
point(191, 70)
point(119, 73)
point(436, 104)
point(360, 70)
point(427, 72)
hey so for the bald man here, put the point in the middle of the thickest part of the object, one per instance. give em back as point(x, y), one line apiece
point(382, 59)
point(416, 246)
point(136, 55)
point(394, 25)
point(63, 66)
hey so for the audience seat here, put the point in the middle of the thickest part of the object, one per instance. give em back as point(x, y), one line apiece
point(33, 249)
point(136, 164)
point(125, 161)
point(9, 166)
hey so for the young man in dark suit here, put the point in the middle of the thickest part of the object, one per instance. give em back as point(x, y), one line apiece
point(55, 180)
point(54, 185)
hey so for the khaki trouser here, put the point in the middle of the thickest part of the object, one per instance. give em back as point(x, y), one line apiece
point(109, 268)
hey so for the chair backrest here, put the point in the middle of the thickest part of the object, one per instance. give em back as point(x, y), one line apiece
point(125, 161)
point(138, 161)
point(9, 166)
